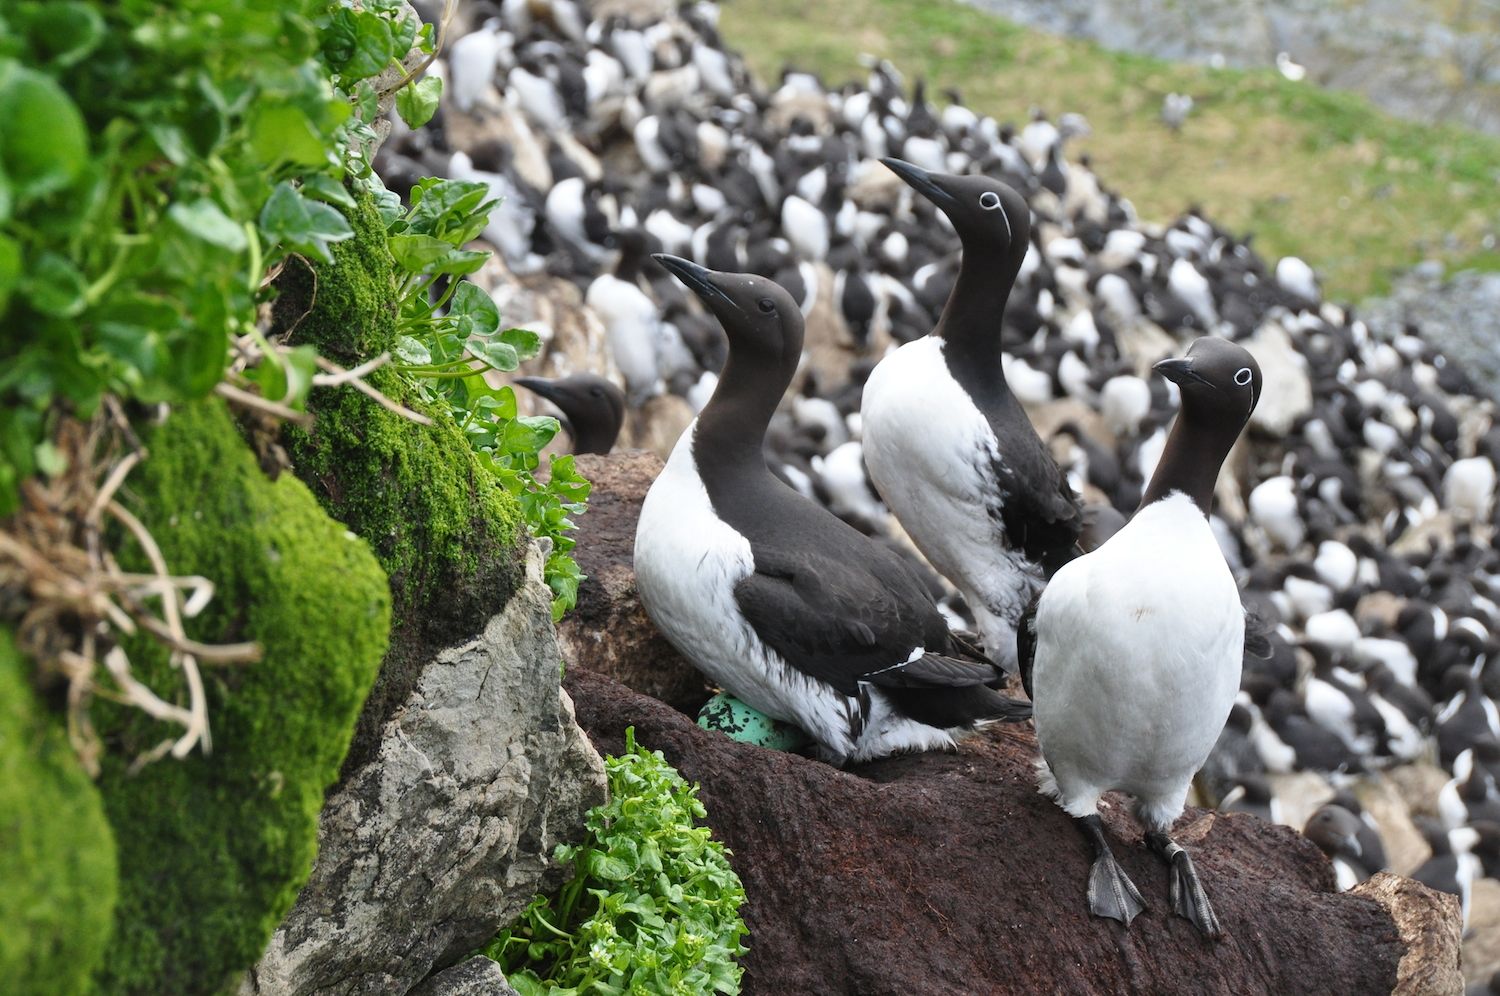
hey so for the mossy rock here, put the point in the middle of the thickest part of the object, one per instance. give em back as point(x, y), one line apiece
point(57, 858)
point(448, 535)
point(214, 848)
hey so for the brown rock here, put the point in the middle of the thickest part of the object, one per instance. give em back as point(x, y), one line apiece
point(1429, 925)
point(609, 632)
point(1482, 944)
point(656, 425)
point(949, 874)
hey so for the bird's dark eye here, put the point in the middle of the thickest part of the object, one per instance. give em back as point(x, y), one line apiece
point(1242, 376)
point(596, 392)
point(989, 200)
point(766, 305)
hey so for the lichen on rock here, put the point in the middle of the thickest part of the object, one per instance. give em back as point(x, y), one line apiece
point(57, 856)
point(213, 848)
point(450, 538)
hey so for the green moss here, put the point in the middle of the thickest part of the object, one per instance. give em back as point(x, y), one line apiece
point(447, 534)
point(57, 858)
point(214, 848)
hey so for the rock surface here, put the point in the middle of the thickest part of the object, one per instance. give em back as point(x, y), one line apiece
point(609, 632)
point(1460, 315)
point(949, 874)
point(444, 837)
point(475, 977)
point(1429, 925)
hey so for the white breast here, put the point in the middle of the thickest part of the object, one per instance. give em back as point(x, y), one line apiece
point(1138, 658)
point(930, 454)
point(687, 563)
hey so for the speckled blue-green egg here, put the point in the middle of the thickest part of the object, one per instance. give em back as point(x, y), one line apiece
point(749, 725)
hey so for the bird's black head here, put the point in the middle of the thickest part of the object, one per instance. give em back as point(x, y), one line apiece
point(593, 406)
point(1218, 380)
point(986, 213)
point(1336, 832)
point(763, 323)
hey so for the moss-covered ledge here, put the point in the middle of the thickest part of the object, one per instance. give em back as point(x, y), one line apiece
point(57, 856)
point(214, 848)
point(450, 538)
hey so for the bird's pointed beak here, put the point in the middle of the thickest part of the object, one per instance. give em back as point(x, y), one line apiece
point(698, 279)
point(540, 386)
point(919, 180)
point(1179, 370)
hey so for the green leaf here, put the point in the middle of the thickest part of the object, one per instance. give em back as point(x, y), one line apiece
point(526, 343)
point(409, 350)
point(326, 188)
point(418, 101)
point(43, 142)
point(374, 45)
point(62, 32)
point(418, 252)
point(472, 303)
point(302, 225)
point(55, 287)
point(282, 133)
point(205, 220)
point(10, 269)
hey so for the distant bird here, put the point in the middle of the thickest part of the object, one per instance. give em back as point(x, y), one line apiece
point(786, 606)
point(592, 408)
point(1336, 832)
point(1291, 70)
point(950, 448)
point(1132, 654)
point(1175, 107)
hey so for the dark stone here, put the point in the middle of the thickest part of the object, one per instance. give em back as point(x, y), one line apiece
point(609, 632)
point(950, 874)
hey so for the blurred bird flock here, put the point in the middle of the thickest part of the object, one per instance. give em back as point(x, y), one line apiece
point(1357, 513)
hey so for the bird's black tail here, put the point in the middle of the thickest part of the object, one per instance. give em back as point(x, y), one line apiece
point(947, 708)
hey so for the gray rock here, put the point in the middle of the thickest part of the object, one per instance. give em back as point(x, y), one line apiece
point(1413, 59)
point(475, 977)
point(444, 837)
point(1461, 316)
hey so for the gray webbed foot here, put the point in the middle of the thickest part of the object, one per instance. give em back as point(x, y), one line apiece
point(1111, 892)
point(1189, 900)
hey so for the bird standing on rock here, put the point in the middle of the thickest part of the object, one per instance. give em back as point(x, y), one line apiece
point(1132, 654)
point(949, 446)
point(779, 601)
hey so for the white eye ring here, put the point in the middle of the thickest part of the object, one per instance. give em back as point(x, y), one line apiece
point(1242, 376)
point(989, 200)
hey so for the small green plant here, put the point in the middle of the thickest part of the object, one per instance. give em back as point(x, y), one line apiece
point(450, 334)
point(653, 906)
point(156, 161)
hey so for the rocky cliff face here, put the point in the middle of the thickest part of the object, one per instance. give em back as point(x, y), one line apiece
point(442, 838)
point(949, 874)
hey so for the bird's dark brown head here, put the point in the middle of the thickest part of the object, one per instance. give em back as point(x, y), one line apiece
point(986, 213)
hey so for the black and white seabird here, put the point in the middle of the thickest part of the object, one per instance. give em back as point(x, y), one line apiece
point(775, 598)
point(949, 446)
point(1132, 654)
point(592, 408)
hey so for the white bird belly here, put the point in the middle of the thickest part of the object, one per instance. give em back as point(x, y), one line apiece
point(930, 454)
point(687, 564)
point(1138, 659)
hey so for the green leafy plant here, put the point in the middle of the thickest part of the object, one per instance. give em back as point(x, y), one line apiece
point(450, 335)
point(156, 161)
point(653, 906)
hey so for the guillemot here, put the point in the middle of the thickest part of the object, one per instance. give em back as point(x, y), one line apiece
point(773, 597)
point(592, 408)
point(948, 445)
point(1132, 654)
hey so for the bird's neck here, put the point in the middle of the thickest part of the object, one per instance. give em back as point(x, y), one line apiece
point(732, 426)
point(1191, 460)
point(970, 322)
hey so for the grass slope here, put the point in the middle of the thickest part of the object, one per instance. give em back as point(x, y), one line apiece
point(1319, 174)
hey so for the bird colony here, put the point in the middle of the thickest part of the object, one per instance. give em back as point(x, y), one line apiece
point(825, 229)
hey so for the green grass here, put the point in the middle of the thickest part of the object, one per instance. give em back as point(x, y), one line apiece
point(1319, 174)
